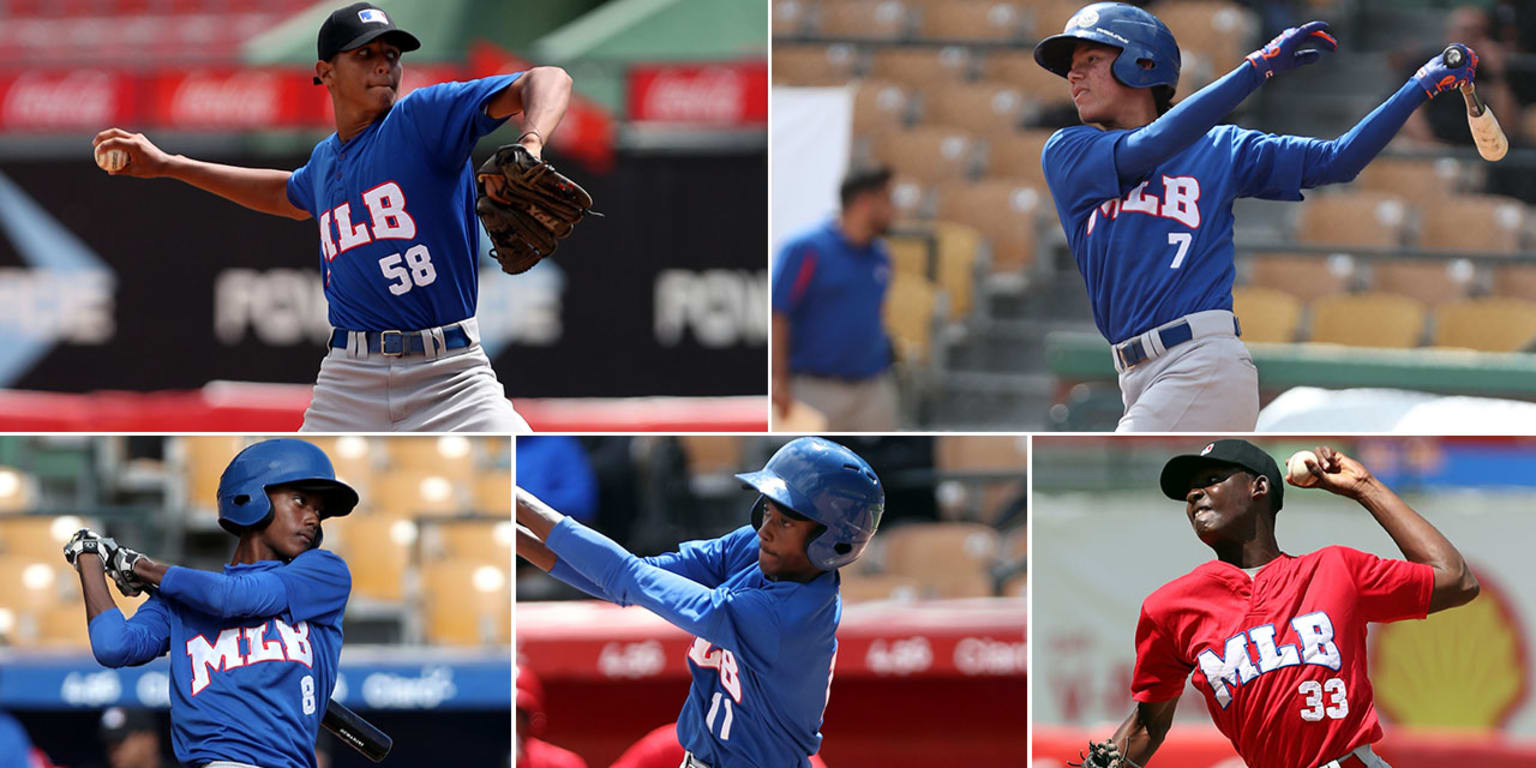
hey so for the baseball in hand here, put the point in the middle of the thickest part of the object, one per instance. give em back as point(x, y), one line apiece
point(1296, 469)
point(111, 160)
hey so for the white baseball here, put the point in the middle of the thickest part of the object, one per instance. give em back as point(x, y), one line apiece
point(111, 159)
point(1296, 468)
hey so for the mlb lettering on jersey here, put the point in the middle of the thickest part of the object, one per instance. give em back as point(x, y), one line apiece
point(1236, 667)
point(388, 220)
point(241, 646)
point(1180, 202)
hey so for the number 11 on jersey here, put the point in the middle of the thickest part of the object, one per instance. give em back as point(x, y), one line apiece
point(1182, 240)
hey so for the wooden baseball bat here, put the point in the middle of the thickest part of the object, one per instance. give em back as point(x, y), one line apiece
point(356, 732)
point(1486, 133)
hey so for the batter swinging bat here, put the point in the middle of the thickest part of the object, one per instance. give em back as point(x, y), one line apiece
point(356, 732)
point(1490, 139)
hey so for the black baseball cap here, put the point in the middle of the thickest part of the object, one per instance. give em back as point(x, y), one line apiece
point(1238, 453)
point(357, 25)
point(118, 722)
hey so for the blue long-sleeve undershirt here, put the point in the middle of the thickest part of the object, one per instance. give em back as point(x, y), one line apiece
point(226, 595)
point(1326, 162)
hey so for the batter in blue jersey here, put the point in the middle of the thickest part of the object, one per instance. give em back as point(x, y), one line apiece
point(393, 194)
point(761, 602)
point(253, 649)
point(1144, 191)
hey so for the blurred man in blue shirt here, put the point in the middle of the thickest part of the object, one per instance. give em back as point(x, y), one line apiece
point(830, 349)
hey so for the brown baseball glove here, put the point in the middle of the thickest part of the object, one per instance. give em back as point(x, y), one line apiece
point(527, 206)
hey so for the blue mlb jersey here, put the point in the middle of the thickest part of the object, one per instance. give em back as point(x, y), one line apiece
point(1154, 249)
point(254, 654)
point(399, 238)
point(763, 651)
point(833, 293)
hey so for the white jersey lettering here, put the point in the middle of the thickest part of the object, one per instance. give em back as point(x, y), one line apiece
point(262, 649)
point(1234, 669)
point(296, 642)
point(223, 654)
point(350, 236)
point(386, 208)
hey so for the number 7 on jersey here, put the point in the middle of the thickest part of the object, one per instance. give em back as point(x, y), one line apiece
point(1182, 240)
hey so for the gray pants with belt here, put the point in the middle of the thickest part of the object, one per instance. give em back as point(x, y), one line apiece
point(443, 390)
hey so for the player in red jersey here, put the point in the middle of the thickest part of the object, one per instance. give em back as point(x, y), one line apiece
point(1276, 642)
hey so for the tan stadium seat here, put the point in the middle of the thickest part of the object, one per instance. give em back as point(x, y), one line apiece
point(1003, 211)
point(910, 306)
point(1266, 314)
point(949, 560)
point(1019, 69)
point(864, 19)
point(972, 20)
point(713, 453)
point(930, 154)
point(1515, 281)
point(1432, 282)
point(1473, 223)
point(1305, 277)
point(909, 255)
point(205, 460)
point(859, 587)
point(1217, 31)
point(34, 582)
point(959, 247)
point(792, 17)
point(1419, 181)
point(468, 541)
point(987, 454)
point(1490, 325)
point(1368, 320)
point(921, 66)
point(1352, 219)
point(1044, 18)
point(1018, 157)
point(813, 65)
point(880, 107)
point(63, 625)
point(34, 536)
point(466, 603)
point(377, 548)
point(492, 491)
point(451, 456)
point(404, 493)
point(987, 107)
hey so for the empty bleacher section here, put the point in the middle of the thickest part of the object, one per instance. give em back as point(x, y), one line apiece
point(429, 545)
point(949, 95)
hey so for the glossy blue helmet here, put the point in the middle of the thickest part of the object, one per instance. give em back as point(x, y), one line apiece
point(243, 502)
point(1148, 53)
point(823, 481)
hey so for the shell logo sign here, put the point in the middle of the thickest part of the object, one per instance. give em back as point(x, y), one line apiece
point(1461, 668)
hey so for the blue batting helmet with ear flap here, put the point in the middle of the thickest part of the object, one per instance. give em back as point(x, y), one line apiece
point(1148, 53)
point(243, 502)
point(821, 480)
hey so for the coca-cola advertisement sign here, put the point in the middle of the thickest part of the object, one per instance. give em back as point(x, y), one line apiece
point(727, 94)
point(249, 99)
point(76, 99)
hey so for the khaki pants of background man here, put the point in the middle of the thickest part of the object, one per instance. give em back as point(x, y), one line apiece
point(867, 405)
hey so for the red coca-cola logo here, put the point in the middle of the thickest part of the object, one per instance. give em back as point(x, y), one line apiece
point(79, 99)
point(250, 99)
point(710, 96)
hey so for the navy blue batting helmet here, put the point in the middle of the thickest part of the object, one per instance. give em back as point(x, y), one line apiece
point(243, 502)
point(1148, 53)
point(818, 479)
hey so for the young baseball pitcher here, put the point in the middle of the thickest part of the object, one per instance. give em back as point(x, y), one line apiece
point(253, 649)
point(1276, 642)
point(395, 198)
point(762, 601)
point(1144, 192)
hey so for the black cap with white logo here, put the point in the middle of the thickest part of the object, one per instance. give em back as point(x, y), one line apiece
point(357, 25)
point(1238, 453)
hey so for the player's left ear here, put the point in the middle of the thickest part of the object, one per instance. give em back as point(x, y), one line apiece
point(1261, 487)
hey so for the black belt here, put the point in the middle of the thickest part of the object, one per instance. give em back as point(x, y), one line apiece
point(402, 343)
point(1133, 352)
